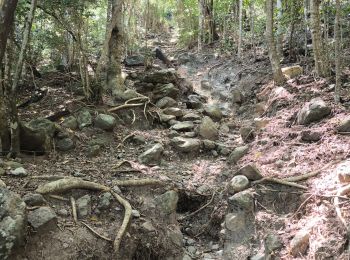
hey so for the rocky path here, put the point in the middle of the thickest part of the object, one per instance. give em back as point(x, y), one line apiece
point(208, 132)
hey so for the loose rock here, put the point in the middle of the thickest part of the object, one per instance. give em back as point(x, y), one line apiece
point(70, 122)
point(313, 111)
point(42, 218)
point(168, 202)
point(34, 199)
point(247, 133)
point(186, 145)
point(84, 119)
point(183, 126)
point(238, 183)
point(84, 206)
point(166, 102)
point(344, 126)
point(237, 154)
point(250, 171)
point(152, 155)
point(214, 112)
point(311, 136)
point(272, 242)
point(208, 129)
point(18, 172)
point(105, 122)
point(300, 243)
point(104, 201)
point(65, 144)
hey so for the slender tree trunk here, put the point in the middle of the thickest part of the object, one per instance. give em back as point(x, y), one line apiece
point(275, 63)
point(279, 38)
point(337, 40)
point(200, 24)
point(306, 21)
point(252, 27)
point(239, 52)
point(321, 63)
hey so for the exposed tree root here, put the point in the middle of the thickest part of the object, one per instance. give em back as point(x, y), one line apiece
point(280, 181)
point(126, 221)
point(125, 106)
point(140, 182)
point(95, 232)
point(74, 210)
point(120, 164)
point(68, 184)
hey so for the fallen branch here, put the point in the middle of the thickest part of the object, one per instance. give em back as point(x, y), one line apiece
point(49, 177)
point(139, 182)
point(126, 221)
point(279, 181)
point(124, 106)
point(95, 232)
point(58, 197)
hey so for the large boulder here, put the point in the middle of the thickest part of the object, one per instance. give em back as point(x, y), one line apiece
point(152, 155)
point(313, 111)
point(105, 122)
point(12, 222)
point(161, 76)
point(208, 129)
point(37, 135)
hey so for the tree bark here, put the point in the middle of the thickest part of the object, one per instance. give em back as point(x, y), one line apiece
point(7, 11)
point(275, 63)
point(239, 52)
point(337, 40)
point(279, 41)
point(200, 24)
point(321, 63)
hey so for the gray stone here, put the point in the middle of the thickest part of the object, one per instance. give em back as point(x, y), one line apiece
point(65, 144)
point(173, 122)
point(2, 184)
point(18, 172)
point(208, 129)
point(247, 133)
point(224, 129)
point(105, 122)
point(138, 139)
point(237, 96)
point(259, 256)
point(250, 171)
point(209, 144)
point(166, 102)
point(135, 213)
point(93, 150)
point(300, 243)
point(104, 201)
point(272, 242)
point(42, 218)
point(152, 155)
point(313, 111)
point(235, 222)
point(243, 199)
point(166, 118)
point(84, 119)
point(186, 145)
point(70, 122)
point(102, 140)
point(214, 112)
point(12, 165)
point(311, 136)
point(190, 134)
point(205, 84)
point(12, 222)
point(192, 250)
point(84, 206)
point(344, 126)
point(63, 212)
point(237, 154)
point(223, 149)
point(34, 199)
point(175, 236)
point(191, 117)
point(167, 202)
point(167, 90)
point(194, 102)
point(183, 126)
point(134, 60)
point(161, 76)
point(173, 111)
point(148, 227)
point(173, 134)
point(238, 183)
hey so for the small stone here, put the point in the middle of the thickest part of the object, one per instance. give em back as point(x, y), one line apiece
point(191, 117)
point(209, 145)
point(173, 134)
point(214, 112)
point(105, 122)
point(208, 129)
point(261, 123)
point(183, 126)
point(138, 139)
point(2, 184)
point(205, 84)
point(259, 256)
point(34, 199)
point(84, 119)
point(152, 155)
point(235, 222)
point(63, 213)
point(168, 202)
point(18, 172)
point(344, 126)
point(148, 227)
point(135, 213)
point(65, 144)
point(311, 136)
point(104, 201)
point(166, 102)
point(2, 171)
point(237, 96)
point(247, 133)
point(175, 236)
point(12, 165)
point(250, 171)
point(272, 242)
point(237, 154)
point(93, 150)
point(243, 199)
point(174, 111)
point(300, 243)
point(191, 249)
point(190, 241)
point(84, 206)
point(190, 134)
point(313, 111)
point(204, 189)
point(186, 145)
point(238, 183)
point(215, 247)
point(223, 150)
point(186, 257)
point(292, 71)
point(165, 118)
point(214, 153)
point(43, 217)
point(194, 102)
point(116, 189)
point(70, 122)
point(224, 129)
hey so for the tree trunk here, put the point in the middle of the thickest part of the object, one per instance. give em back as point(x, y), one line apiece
point(13, 116)
point(275, 63)
point(337, 40)
point(239, 52)
point(279, 41)
point(201, 24)
point(7, 11)
point(306, 21)
point(321, 63)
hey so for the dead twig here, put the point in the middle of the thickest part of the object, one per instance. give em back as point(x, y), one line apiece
point(279, 181)
point(139, 182)
point(95, 232)
point(120, 164)
point(124, 106)
point(58, 197)
point(74, 210)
